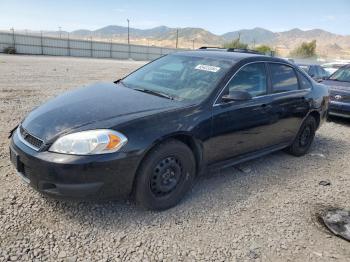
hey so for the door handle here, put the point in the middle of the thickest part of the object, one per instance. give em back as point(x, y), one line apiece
point(266, 106)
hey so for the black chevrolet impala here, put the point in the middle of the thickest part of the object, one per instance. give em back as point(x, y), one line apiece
point(151, 133)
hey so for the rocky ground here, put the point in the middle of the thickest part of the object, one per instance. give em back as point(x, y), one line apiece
point(263, 210)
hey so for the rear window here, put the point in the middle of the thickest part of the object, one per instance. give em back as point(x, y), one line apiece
point(283, 78)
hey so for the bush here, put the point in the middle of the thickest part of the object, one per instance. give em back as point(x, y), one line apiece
point(263, 49)
point(305, 50)
point(236, 44)
point(10, 50)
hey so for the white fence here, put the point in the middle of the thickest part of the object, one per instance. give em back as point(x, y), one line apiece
point(44, 45)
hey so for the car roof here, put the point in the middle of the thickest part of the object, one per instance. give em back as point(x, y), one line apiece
point(346, 66)
point(304, 64)
point(230, 56)
point(335, 64)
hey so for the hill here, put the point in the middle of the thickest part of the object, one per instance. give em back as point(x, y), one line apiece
point(328, 44)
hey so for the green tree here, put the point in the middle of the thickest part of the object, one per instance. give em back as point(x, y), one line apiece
point(263, 49)
point(236, 44)
point(305, 50)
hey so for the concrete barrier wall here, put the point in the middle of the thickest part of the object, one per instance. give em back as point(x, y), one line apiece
point(44, 45)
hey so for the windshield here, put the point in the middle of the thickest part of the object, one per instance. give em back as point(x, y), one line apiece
point(180, 77)
point(342, 74)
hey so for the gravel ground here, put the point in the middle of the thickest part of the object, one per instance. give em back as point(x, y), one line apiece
point(263, 210)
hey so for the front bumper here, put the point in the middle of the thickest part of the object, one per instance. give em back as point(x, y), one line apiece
point(85, 177)
point(339, 109)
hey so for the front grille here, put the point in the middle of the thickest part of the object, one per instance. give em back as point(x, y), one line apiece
point(340, 96)
point(30, 139)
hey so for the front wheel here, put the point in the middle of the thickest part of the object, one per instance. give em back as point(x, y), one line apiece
point(303, 141)
point(165, 175)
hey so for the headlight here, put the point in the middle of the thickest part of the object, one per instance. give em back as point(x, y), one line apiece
point(90, 142)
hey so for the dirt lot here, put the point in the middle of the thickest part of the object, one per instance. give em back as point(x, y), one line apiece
point(265, 210)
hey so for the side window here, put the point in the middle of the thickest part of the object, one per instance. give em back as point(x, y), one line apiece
point(323, 72)
point(303, 81)
point(251, 78)
point(319, 71)
point(312, 71)
point(283, 78)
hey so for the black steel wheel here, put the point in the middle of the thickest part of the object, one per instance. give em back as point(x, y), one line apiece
point(304, 139)
point(165, 175)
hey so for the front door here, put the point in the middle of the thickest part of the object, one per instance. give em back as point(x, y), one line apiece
point(240, 127)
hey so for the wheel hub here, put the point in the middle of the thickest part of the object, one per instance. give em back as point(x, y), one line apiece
point(305, 136)
point(166, 176)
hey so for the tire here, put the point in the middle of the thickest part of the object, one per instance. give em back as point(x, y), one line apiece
point(165, 175)
point(304, 139)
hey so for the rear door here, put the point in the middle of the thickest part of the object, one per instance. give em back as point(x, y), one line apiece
point(290, 103)
point(240, 127)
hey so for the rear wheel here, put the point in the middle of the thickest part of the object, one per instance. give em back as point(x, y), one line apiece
point(165, 175)
point(303, 141)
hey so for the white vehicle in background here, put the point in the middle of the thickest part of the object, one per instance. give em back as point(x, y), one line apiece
point(334, 66)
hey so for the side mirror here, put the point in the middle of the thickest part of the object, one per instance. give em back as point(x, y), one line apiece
point(236, 96)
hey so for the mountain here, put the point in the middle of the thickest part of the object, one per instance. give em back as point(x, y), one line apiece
point(159, 33)
point(249, 36)
point(115, 30)
point(328, 44)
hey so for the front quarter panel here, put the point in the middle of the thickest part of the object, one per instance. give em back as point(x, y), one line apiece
point(145, 133)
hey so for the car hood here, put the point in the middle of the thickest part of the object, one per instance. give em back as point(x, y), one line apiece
point(337, 85)
point(90, 105)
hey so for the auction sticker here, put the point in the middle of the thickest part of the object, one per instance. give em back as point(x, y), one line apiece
point(208, 68)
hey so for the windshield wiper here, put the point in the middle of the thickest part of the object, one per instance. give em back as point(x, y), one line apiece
point(152, 92)
point(119, 81)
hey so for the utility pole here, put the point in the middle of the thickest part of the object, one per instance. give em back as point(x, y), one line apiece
point(177, 37)
point(128, 31)
point(111, 47)
point(91, 52)
point(68, 44)
point(59, 30)
point(193, 44)
point(13, 37)
point(147, 48)
point(41, 42)
point(128, 37)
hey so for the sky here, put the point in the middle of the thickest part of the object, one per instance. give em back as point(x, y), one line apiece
point(216, 16)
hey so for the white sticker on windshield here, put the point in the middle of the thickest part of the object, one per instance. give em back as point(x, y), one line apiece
point(208, 68)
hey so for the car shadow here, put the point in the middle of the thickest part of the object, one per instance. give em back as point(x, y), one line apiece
point(229, 187)
point(339, 120)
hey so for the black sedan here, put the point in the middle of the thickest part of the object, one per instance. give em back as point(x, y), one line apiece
point(149, 134)
point(317, 72)
point(339, 85)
